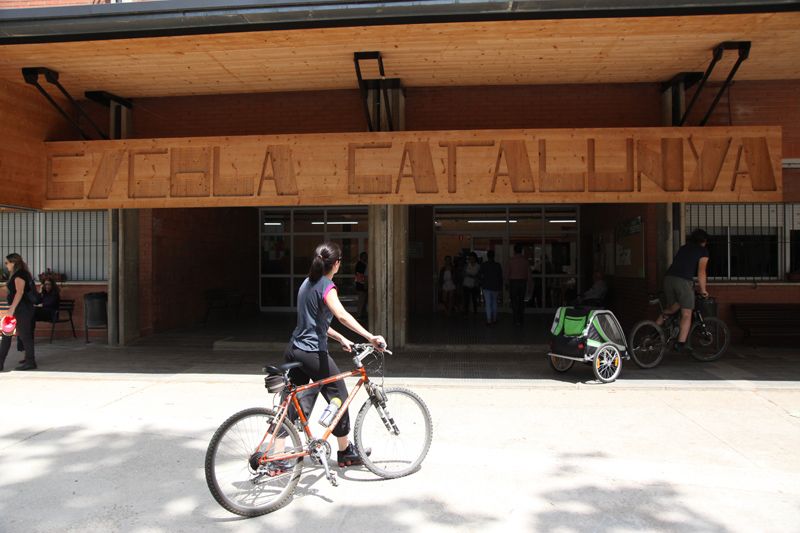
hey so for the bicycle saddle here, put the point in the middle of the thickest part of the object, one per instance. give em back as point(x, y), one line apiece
point(654, 298)
point(280, 369)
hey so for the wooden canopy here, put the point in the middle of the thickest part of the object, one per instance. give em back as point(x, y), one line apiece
point(625, 50)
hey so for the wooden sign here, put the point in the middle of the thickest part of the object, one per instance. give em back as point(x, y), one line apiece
point(730, 164)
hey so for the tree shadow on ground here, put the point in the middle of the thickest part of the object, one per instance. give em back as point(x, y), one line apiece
point(74, 478)
point(611, 505)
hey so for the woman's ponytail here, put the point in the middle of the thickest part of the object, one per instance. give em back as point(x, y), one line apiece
point(317, 269)
point(325, 257)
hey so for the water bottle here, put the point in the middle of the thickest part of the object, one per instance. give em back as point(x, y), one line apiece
point(330, 412)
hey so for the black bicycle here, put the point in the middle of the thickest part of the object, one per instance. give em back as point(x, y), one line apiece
point(708, 339)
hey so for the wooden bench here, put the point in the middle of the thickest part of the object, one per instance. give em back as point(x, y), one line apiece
point(761, 320)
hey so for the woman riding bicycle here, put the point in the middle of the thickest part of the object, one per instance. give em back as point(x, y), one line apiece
point(317, 303)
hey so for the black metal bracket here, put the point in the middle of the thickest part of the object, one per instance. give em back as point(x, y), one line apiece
point(681, 81)
point(105, 98)
point(31, 77)
point(743, 47)
point(381, 84)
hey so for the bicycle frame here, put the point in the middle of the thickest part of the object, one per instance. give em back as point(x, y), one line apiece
point(283, 410)
point(697, 318)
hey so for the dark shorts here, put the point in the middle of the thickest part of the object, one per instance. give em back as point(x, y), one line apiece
point(679, 290)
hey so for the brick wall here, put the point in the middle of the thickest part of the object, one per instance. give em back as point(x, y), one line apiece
point(187, 251)
point(249, 114)
point(533, 106)
point(756, 103)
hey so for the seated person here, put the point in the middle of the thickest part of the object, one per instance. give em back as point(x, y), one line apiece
point(596, 294)
point(51, 297)
point(48, 310)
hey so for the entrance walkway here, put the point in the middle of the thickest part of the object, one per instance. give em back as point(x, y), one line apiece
point(471, 329)
point(176, 353)
point(271, 331)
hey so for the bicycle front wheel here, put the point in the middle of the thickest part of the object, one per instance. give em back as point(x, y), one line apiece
point(397, 429)
point(709, 340)
point(238, 473)
point(647, 344)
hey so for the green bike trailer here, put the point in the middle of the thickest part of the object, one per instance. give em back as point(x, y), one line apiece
point(587, 335)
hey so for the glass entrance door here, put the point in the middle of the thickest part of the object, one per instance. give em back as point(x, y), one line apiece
point(548, 235)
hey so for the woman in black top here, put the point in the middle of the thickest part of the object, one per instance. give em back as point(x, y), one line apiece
point(317, 304)
point(47, 311)
point(19, 285)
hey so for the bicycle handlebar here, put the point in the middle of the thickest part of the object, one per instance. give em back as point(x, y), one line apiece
point(364, 349)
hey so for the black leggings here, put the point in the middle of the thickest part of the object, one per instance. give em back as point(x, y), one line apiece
point(316, 366)
point(24, 315)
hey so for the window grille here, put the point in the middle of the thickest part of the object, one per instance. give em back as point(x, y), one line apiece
point(749, 242)
point(72, 243)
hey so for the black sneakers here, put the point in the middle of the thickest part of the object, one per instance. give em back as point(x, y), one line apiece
point(349, 456)
point(27, 366)
point(683, 348)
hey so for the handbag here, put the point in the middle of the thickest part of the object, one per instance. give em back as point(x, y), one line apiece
point(33, 295)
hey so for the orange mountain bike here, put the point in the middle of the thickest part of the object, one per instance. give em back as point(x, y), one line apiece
point(255, 458)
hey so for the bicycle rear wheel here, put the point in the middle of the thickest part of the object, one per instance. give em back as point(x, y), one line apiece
point(398, 430)
point(710, 340)
point(647, 344)
point(236, 474)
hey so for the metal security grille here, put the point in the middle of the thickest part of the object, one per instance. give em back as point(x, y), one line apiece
point(73, 243)
point(749, 242)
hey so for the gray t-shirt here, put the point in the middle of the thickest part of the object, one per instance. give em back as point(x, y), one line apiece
point(313, 316)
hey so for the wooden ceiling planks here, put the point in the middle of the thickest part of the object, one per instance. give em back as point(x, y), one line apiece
point(481, 53)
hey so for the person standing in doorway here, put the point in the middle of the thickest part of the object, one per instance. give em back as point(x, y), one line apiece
point(361, 285)
point(447, 284)
point(491, 280)
point(519, 274)
point(470, 282)
point(20, 300)
point(690, 261)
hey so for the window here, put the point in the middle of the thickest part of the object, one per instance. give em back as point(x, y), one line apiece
point(71, 243)
point(288, 240)
point(748, 241)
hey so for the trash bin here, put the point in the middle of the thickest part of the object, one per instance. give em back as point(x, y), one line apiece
point(707, 306)
point(95, 311)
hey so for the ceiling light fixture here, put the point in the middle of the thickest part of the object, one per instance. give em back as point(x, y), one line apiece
point(491, 221)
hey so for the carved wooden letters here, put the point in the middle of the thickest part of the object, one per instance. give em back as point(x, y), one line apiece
point(506, 166)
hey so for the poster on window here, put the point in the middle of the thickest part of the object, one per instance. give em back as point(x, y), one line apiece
point(603, 249)
point(629, 248)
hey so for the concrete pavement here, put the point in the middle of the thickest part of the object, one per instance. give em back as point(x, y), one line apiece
point(114, 440)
